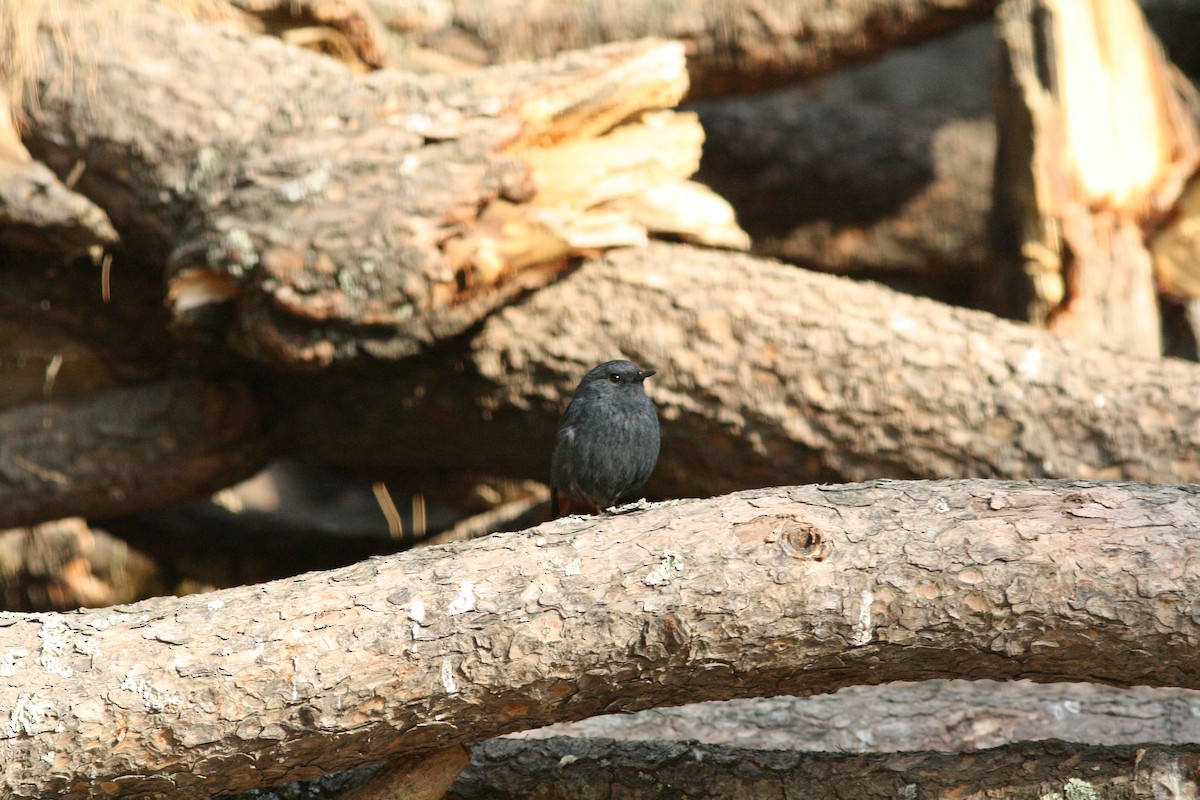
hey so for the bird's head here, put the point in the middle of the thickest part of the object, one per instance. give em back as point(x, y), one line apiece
point(616, 376)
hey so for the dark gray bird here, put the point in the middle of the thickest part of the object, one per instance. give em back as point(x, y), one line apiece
point(607, 440)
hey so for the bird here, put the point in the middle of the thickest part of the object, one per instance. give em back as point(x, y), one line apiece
point(608, 440)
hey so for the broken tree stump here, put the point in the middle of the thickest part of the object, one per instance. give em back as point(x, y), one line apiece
point(1094, 144)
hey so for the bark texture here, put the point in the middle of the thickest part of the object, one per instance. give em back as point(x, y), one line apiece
point(37, 212)
point(768, 374)
point(125, 450)
point(790, 591)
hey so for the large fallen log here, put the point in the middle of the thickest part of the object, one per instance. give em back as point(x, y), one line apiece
point(582, 769)
point(767, 375)
point(790, 591)
point(307, 215)
point(857, 188)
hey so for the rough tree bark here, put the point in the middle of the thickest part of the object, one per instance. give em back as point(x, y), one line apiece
point(790, 591)
point(322, 216)
point(1095, 140)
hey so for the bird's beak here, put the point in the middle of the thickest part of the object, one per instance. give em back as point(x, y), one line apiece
point(646, 373)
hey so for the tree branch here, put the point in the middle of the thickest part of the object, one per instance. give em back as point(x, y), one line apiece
point(788, 591)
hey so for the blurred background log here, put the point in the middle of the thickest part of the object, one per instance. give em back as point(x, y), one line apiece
point(62, 565)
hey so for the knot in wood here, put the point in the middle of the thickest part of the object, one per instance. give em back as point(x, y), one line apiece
point(798, 539)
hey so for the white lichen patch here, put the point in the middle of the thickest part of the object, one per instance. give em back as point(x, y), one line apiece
point(29, 715)
point(310, 183)
point(448, 682)
point(670, 563)
point(215, 605)
point(863, 627)
point(155, 699)
point(1074, 789)
point(464, 601)
point(10, 662)
point(416, 611)
point(901, 324)
point(1066, 707)
point(1030, 365)
point(59, 641)
point(101, 623)
point(234, 254)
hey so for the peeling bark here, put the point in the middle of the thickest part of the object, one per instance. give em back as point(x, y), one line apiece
point(798, 591)
point(1095, 140)
point(324, 216)
point(125, 450)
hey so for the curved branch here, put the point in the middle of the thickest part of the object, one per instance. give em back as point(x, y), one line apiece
point(788, 591)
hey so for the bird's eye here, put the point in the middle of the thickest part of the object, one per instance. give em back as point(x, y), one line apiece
point(614, 377)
